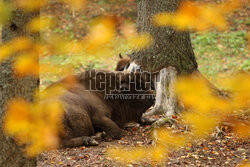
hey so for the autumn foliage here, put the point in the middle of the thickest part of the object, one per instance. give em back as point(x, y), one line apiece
point(198, 16)
point(204, 111)
point(38, 124)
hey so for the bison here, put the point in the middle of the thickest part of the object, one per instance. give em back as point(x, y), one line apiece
point(123, 63)
point(101, 101)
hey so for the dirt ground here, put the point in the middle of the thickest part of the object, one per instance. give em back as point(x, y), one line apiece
point(212, 152)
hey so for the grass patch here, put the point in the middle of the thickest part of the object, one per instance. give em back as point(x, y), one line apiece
point(218, 55)
point(221, 53)
point(79, 63)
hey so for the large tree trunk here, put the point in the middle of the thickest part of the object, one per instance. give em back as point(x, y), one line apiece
point(170, 48)
point(11, 155)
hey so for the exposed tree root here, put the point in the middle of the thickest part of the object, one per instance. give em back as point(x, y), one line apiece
point(166, 100)
point(162, 121)
point(213, 88)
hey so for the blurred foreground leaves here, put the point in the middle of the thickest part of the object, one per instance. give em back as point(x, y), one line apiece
point(101, 43)
point(198, 16)
point(37, 125)
point(33, 5)
point(204, 111)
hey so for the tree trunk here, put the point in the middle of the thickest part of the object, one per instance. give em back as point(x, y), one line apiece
point(170, 48)
point(11, 155)
point(166, 101)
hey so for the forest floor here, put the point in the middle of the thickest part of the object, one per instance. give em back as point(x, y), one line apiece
point(229, 151)
point(217, 53)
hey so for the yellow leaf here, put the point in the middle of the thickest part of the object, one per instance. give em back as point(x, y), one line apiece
point(38, 49)
point(163, 19)
point(243, 130)
point(222, 106)
point(139, 41)
point(127, 155)
point(197, 16)
point(39, 24)
point(167, 138)
point(128, 30)
point(57, 70)
point(50, 137)
point(74, 47)
point(5, 51)
point(245, 164)
point(240, 93)
point(194, 93)
point(213, 17)
point(75, 4)
point(26, 64)
point(229, 6)
point(31, 5)
point(157, 154)
point(37, 125)
point(15, 45)
point(186, 16)
point(17, 117)
point(56, 107)
point(58, 44)
point(101, 32)
point(203, 124)
point(21, 44)
point(232, 83)
point(50, 92)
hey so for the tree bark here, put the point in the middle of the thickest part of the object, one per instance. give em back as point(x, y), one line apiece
point(166, 99)
point(11, 155)
point(170, 48)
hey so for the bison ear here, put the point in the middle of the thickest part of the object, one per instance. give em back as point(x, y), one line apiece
point(129, 55)
point(120, 56)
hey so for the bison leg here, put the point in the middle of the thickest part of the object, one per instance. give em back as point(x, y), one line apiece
point(146, 121)
point(108, 126)
point(79, 141)
point(99, 136)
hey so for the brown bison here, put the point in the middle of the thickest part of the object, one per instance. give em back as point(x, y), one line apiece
point(102, 101)
point(123, 63)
